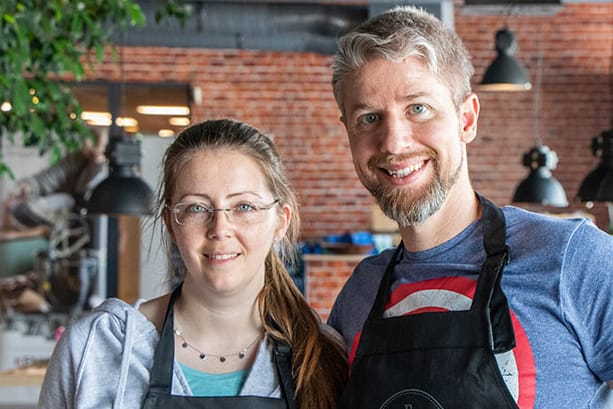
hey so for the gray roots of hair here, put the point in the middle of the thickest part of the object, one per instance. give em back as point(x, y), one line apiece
point(400, 33)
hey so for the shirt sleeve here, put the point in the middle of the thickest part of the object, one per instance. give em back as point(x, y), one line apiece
point(587, 293)
point(59, 384)
point(100, 360)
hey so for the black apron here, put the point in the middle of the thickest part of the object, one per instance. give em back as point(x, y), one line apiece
point(159, 395)
point(438, 360)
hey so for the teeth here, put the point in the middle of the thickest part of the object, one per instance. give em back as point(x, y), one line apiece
point(221, 256)
point(400, 173)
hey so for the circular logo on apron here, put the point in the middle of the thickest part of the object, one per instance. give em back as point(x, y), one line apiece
point(411, 399)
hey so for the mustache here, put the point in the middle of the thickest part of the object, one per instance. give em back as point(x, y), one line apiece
point(384, 160)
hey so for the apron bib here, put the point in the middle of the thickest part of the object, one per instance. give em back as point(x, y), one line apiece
point(159, 395)
point(438, 360)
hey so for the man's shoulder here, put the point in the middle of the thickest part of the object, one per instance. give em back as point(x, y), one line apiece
point(561, 226)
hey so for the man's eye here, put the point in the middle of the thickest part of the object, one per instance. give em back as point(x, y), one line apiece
point(418, 109)
point(368, 119)
point(244, 207)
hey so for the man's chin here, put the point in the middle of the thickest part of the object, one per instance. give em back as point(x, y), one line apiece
point(409, 208)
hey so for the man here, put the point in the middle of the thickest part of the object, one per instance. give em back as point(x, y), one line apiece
point(51, 194)
point(479, 307)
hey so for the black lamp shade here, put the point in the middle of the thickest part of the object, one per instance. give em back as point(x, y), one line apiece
point(123, 191)
point(589, 189)
point(541, 187)
point(119, 194)
point(605, 190)
point(598, 184)
point(505, 73)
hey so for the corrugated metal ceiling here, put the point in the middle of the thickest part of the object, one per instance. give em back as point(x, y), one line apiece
point(281, 25)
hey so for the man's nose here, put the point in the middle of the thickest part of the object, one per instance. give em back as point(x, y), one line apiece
point(396, 135)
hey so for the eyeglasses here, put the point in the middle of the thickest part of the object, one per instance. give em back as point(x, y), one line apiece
point(240, 213)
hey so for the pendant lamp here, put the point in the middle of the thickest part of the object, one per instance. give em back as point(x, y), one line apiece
point(540, 186)
point(598, 184)
point(123, 191)
point(505, 73)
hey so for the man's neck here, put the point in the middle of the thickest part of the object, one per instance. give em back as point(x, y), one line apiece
point(460, 209)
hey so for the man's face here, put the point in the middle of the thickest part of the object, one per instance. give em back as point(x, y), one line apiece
point(406, 135)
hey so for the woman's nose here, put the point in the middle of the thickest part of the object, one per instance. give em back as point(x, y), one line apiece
point(220, 225)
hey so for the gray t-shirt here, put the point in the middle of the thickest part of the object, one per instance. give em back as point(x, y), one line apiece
point(559, 284)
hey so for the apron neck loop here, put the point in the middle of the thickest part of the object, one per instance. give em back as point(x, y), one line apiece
point(282, 354)
point(161, 376)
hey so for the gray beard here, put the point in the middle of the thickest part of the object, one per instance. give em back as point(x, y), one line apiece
point(409, 208)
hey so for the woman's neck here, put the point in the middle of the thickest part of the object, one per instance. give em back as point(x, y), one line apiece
point(230, 316)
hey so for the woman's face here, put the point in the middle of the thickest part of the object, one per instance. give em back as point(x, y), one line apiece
point(225, 254)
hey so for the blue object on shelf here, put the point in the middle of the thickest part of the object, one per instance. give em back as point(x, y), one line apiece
point(361, 238)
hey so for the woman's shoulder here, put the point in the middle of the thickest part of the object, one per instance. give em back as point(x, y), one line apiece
point(112, 319)
point(94, 354)
point(155, 310)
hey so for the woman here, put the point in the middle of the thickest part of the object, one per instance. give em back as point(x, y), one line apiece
point(235, 332)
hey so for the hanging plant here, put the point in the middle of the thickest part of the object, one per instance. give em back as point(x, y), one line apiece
point(46, 42)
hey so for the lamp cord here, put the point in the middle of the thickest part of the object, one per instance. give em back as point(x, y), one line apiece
point(122, 72)
point(536, 112)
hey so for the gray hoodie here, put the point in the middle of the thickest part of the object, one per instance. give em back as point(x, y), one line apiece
point(104, 359)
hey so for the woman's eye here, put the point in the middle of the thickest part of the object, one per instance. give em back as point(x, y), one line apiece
point(244, 207)
point(196, 208)
point(368, 119)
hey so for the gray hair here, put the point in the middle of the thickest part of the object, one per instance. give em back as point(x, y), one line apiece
point(402, 32)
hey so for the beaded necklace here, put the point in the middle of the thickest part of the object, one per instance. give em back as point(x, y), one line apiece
point(222, 358)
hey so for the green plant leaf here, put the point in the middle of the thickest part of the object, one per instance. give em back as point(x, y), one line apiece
point(43, 40)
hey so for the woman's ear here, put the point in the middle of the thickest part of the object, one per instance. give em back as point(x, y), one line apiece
point(167, 218)
point(285, 216)
point(469, 115)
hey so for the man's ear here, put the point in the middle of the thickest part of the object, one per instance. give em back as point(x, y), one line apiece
point(469, 115)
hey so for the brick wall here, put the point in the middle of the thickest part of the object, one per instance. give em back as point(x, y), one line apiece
point(324, 278)
point(288, 95)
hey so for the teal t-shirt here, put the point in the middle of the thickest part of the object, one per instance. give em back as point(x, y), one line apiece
point(208, 384)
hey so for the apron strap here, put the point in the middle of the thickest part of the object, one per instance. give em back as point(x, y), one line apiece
point(161, 377)
point(489, 296)
point(378, 308)
point(282, 355)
